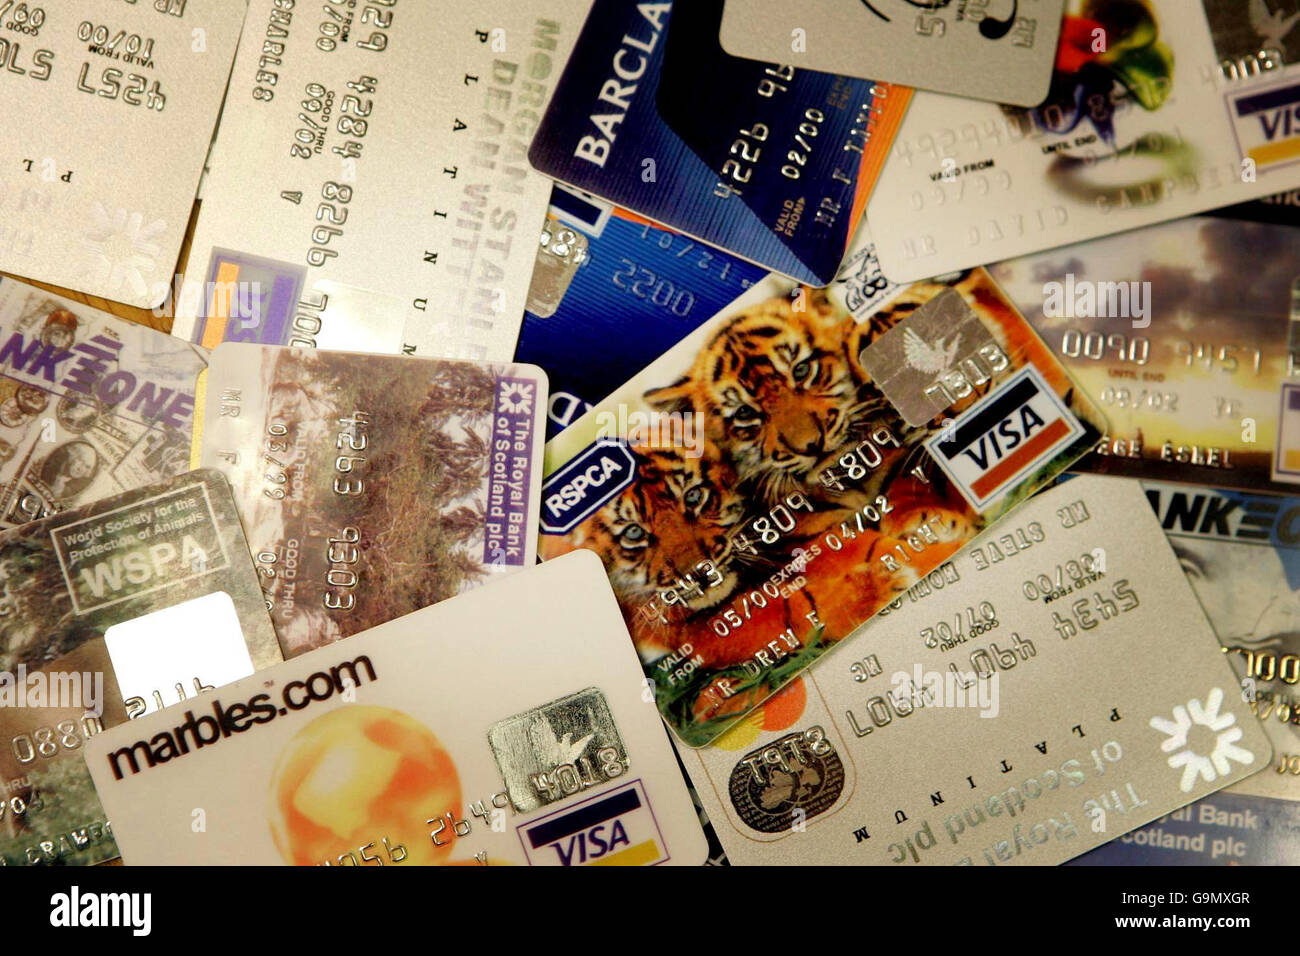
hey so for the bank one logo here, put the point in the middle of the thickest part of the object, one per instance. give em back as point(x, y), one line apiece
point(617, 828)
point(573, 493)
point(1267, 124)
point(77, 909)
point(1003, 437)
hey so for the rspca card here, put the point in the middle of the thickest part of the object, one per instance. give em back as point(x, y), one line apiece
point(1182, 334)
point(107, 612)
point(1001, 51)
point(367, 753)
point(638, 291)
point(369, 196)
point(373, 485)
point(758, 493)
point(118, 102)
point(1156, 111)
point(982, 720)
point(769, 162)
point(90, 405)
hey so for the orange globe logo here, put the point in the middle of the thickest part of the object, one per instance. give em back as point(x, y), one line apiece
point(356, 777)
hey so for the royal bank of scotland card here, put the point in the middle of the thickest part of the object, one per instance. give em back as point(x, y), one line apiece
point(90, 405)
point(118, 103)
point(1001, 50)
point(1178, 113)
point(778, 476)
point(503, 727)
point(369, 193)
point(769, 162)
point(373, 485)
point(1050, 687)
point(107, 612)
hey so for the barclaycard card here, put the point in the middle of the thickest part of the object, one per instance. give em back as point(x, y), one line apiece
point(117, 104)
point(368, 195)
point(1019, 704)
point(1171, 118)
point(770, 483)
point(504, 727)
point(1181, 332)
point(1001, 50)
point(639, 290)
point(90, 405)
point(766, 161)
point(374, 485)
point(107, 612)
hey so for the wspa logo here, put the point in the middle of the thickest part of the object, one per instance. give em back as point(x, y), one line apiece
point(76, 909)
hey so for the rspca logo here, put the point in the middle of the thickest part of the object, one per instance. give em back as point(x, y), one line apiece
point(572, 494)
point(1003, 437)
point(615, 829)
point(1267, 125)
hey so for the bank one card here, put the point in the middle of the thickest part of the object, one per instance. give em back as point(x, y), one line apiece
point(1002, 50)
point(639, 289)
point(107, 612)
point(119, 102)
point(769, 162)
point(536, 750)
point(373, 485)
point(1164, 118)
point(365, 195)
point(90, 405)
point(1181, 332)
point(765, 487)
point(982, 719)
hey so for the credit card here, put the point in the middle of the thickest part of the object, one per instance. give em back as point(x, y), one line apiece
point(768, 162)
point(988, 717)
point(1149, 119)
point(367, 196)
point(90, 405)
point(1001, 51)
point(373, 485)
point(531, 746)
point(639, 290)
point(756, 494)
point(118, 103)
point(1181, 332)
point(108, 612)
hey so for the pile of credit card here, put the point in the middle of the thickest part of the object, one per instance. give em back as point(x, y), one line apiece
point(726, 431)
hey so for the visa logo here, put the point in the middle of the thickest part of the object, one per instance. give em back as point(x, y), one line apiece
point(1280, 119)
point(1275, 139)
point(574, 493)
point(591, 844)
point(997, 442)
point(614, 829)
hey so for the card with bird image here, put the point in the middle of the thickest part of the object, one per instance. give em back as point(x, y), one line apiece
point(770, 483)
point(90, 405)
point(769, 162)
point(1044, 690)
point(373, 485)
point(530, 744)
point(110, 611)
point(1158, 109)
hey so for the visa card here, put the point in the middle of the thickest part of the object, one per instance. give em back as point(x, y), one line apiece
point(1017, 705)
point(373, 485)
point(503, 727)
point(367, 196)
point(769, 162)
point(108, 612)
point(640, 288)
point(90, 405)
point(1158, 110)
point(1182, 334)
point(766, 486)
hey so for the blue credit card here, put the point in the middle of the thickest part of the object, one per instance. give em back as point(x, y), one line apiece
point(1224, 829)
point(771, 163)
point(640, 290)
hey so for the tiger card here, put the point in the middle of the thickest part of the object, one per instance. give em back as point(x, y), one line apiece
point(765, 487)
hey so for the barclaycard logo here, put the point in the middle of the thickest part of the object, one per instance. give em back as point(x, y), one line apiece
point(1001, 438)
point(572, 494)
point(615, 829)
point(1267, 124)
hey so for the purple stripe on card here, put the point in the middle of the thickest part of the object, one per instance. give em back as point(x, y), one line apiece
point(505, 532)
